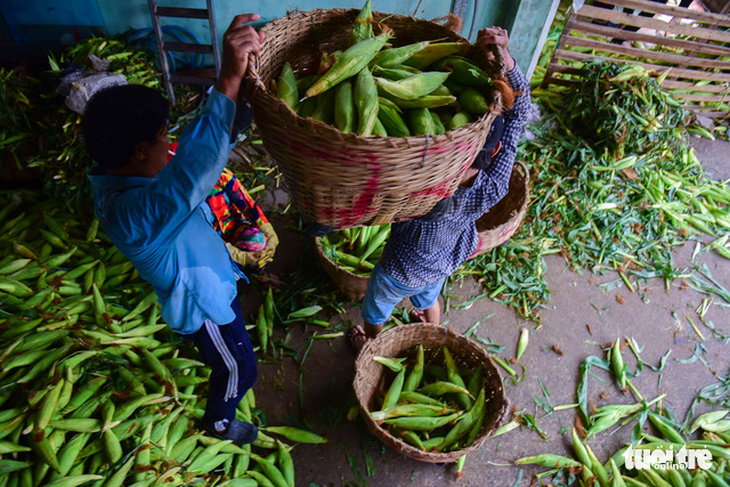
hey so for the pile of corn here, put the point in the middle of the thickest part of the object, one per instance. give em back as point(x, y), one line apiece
point(424, 88)
point(93, 387)
point(655, 461)
point(356, 250)
point(435, 408)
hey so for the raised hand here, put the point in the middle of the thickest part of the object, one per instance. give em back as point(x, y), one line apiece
point(239, 41)
point(496, 36)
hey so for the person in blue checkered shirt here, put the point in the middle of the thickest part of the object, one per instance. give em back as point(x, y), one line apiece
point(420, 254)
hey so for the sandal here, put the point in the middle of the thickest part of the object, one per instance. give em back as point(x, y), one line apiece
point(356, 338)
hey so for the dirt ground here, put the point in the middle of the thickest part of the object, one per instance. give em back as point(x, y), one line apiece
point(585, 313)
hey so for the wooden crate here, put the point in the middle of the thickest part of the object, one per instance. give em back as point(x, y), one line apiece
point(691, 47)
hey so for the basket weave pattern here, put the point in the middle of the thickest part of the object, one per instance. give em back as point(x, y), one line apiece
point(345, 180)
point(504, 218)
point(372, 378)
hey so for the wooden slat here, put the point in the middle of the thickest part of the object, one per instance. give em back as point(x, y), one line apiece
point(188, 47)
point(562, 82)
point(187, 13)
point(563, 69)
point(710, 114)
point(199, 77)
point(629, 51)
point(651, 23)
point(704, 98)
point(611, 32)
point(704, 111)
point(686, 85)
point(674, 72)
point(660, 8)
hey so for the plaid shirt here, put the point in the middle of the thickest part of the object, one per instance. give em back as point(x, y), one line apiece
point(419, 253)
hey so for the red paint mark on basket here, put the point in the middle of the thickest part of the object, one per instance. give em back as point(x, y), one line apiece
point(343, 156)
point(440, 190)
point(362, 206)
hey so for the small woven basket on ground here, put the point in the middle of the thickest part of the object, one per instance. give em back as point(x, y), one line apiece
point(349, 284)
point(371, 379)
point(504, 218)
point(345, 180)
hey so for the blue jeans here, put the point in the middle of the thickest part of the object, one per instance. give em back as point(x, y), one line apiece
point(227, 350)
point(384, 293)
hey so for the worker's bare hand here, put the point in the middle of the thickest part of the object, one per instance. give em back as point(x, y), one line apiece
point(239, 41)
point(496, 36)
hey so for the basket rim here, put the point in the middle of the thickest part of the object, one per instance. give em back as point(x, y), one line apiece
point(258, 89)
point(321, 253)
point(401, 446)
point(524, 204)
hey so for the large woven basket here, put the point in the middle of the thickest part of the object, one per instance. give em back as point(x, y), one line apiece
point(345, 180)
point(371, 379)
point(349, 284)
point(504, 218)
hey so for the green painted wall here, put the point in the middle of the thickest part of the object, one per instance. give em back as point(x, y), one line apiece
point(526, 20)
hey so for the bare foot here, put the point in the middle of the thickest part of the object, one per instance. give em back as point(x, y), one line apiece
point(357, 338)
point(417, 316)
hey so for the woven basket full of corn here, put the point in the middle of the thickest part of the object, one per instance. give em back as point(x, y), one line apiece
point(373, 379)
point(343, 179)
point(504, 218)
point(348, 283)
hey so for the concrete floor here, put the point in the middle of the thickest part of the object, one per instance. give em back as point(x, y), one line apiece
point(585, 312)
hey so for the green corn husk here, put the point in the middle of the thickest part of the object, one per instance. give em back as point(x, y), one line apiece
point(366, 100)
point(349, 63)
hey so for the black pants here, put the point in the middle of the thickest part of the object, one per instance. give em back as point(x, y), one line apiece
point(227, 350)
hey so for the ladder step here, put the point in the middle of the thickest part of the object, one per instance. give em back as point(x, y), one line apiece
point(187, 47)
point(199, 77)
point(188, 13)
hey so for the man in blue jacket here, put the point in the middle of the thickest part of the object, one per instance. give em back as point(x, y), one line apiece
point(151, 210)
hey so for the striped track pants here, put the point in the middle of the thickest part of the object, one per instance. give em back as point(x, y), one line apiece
point(227, 350)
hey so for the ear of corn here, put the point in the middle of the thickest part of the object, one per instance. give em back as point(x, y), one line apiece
point(435, 51)
point(454, 87)
point(421, 122)
point(306, 107)
point(437, 123)
point(305, 82)
point(344, 108)
point(388, 58)
point(393, 74)
point(427, 101)
point(325, 109)
point(473, 102)
point(366, 100)
point(379, 128)
point(390, 117)
point(414, 86)
point(460, 119)
point(327, 60)
point(349, 63)
point(463, 71)
point(441, 90)
point(286, 88)
point(363, 28)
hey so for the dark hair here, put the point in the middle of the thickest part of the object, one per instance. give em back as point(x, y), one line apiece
point(117, 118)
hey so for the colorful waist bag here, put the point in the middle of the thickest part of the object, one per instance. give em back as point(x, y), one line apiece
point(250, 238)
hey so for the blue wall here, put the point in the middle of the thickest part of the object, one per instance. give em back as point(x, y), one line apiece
point(53, 21)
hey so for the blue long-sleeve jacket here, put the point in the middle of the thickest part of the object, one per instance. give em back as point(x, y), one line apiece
point(159, 225)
